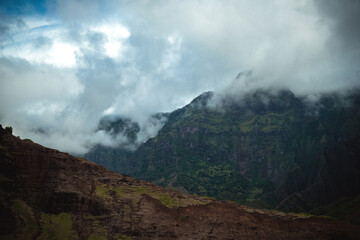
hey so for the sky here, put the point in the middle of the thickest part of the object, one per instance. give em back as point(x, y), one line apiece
point(66, 64)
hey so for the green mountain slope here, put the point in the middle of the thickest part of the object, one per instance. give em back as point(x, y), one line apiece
point(265, 150)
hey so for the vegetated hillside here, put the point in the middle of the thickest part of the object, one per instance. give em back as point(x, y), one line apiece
point(265, 150)
point(47, 194)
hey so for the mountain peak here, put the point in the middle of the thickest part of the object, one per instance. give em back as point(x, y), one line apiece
point(203, 98)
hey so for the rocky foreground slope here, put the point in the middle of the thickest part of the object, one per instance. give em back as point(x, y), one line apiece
point(47, 194)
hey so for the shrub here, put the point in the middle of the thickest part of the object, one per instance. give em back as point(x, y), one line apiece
point(9, 129)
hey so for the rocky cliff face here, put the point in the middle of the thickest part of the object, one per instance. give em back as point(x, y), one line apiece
point(265, 150)
point(47, 194)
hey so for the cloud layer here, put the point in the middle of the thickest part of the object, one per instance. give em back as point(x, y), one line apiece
point(66, 64)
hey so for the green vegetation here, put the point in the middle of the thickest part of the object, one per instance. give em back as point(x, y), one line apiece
point(167, 201)
point(96, 237)
point(30, 229)
point(121, 237)
point(102, 191)
point(346, 209)
point(9, 129)
point(258, 151)
point(51, 226)
point(57, 227)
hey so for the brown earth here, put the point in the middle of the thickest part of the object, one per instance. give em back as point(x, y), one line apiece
point(47, 194)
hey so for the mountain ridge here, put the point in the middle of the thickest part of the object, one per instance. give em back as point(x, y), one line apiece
point(49, 194)
point(259, 150)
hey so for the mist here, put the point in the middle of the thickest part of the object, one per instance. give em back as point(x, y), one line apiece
point(65, 65)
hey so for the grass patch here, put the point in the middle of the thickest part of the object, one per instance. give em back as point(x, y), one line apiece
point(210, 198)
point(57, 227)
point(302, 214)
point(168, 201)
point(121, 237)
point(96, 237)
point(31, 228)
point(346, 209)
point(101, 191)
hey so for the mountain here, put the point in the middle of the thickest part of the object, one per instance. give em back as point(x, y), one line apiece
point(47, 194)
point(267, 149)
point(129, 132)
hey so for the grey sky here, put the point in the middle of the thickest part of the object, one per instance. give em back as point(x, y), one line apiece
point(66, 64)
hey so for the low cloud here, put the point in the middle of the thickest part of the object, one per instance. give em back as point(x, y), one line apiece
point(67, 64)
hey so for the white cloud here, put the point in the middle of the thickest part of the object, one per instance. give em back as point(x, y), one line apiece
point(62, 73)
point(59, 54)
point(115, 35)
point(24, 45)
point(62, 52)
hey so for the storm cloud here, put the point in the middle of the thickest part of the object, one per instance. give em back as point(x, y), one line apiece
point(66, 64)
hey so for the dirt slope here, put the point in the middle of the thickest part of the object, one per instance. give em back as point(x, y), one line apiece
point(47, 194)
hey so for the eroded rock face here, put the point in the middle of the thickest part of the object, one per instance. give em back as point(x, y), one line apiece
point(47, 194)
